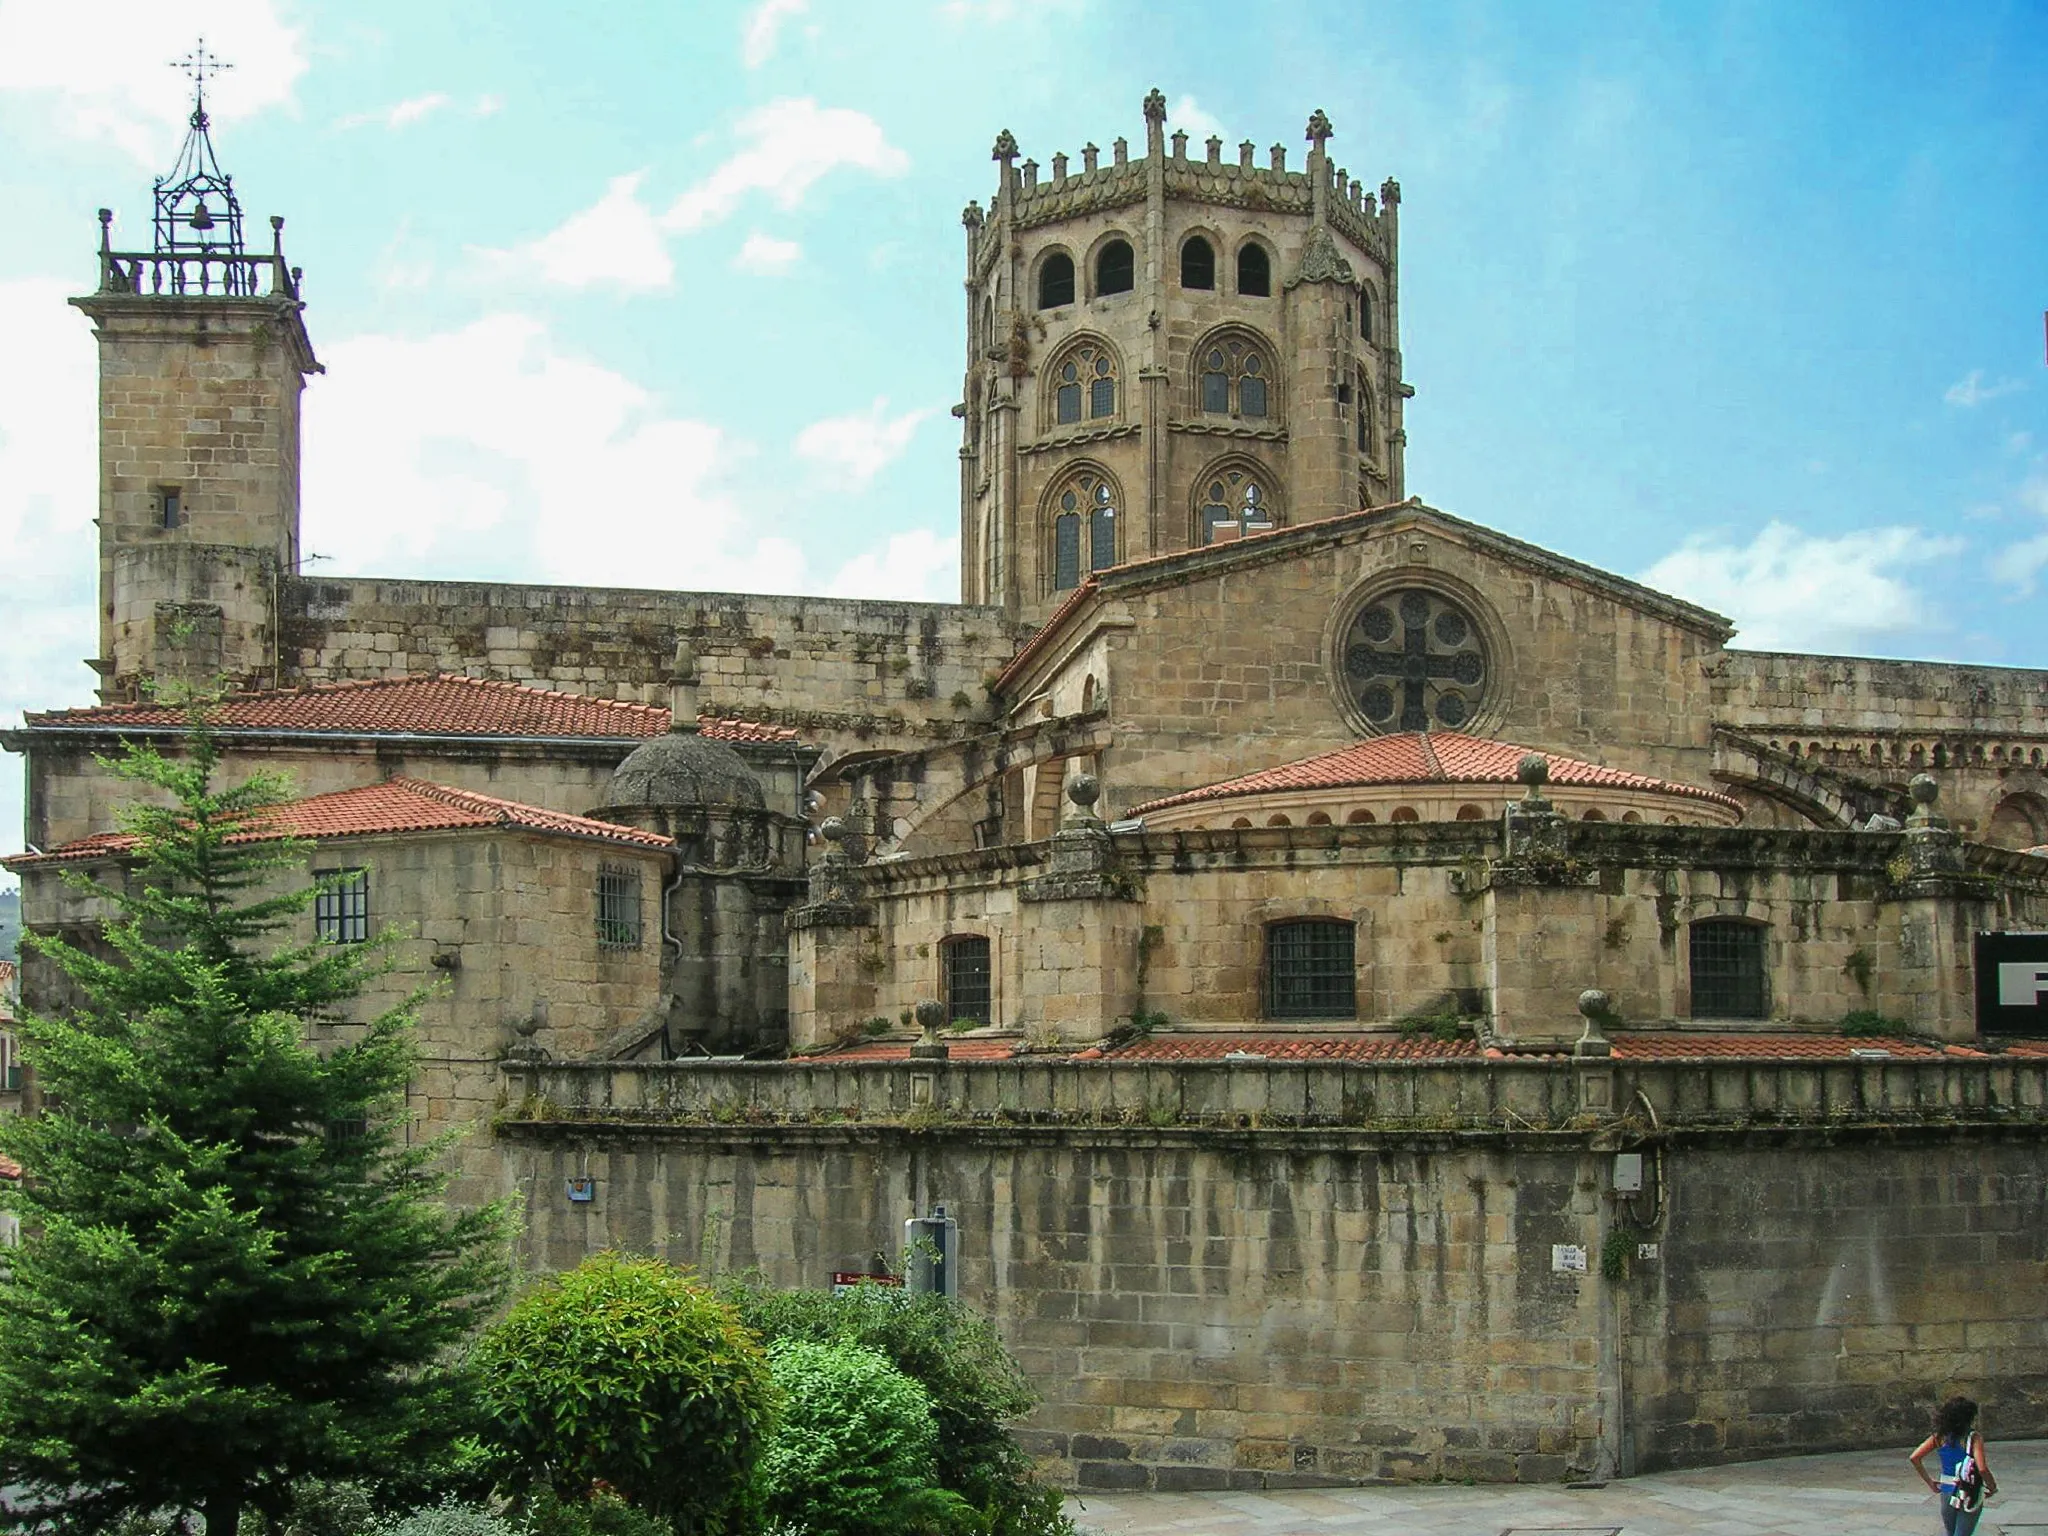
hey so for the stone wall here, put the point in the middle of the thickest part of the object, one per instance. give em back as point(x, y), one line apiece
point(857, 674)
point(1262, 1274)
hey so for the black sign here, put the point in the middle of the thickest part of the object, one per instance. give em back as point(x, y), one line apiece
point(2012, 984)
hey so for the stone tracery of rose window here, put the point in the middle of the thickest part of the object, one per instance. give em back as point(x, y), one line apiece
point(1414, 660)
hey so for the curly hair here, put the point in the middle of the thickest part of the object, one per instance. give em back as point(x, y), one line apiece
point(1954, 1418)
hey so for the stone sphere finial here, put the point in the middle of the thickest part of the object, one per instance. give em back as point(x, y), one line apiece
point(1924, 788)
point(833, 830)
point(1596, 1005)
point(1084, 789)
point(1533, 770)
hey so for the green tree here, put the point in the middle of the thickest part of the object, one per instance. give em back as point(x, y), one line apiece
point(234, 1272)
point(630, 1373)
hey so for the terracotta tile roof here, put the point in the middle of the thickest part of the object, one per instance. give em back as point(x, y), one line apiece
point(1045, 633)
point(1678, 1046)
point(1431, 757)
point(396, 805)
point(888, 1050)
point(1378, 1047)
point(444, 704)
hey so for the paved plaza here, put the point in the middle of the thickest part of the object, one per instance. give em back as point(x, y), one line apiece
point(1861, 1491)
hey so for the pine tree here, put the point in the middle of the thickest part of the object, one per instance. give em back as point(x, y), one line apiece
point(233, 1273)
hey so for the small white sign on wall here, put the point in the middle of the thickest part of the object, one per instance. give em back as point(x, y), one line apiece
point(1567, 1258)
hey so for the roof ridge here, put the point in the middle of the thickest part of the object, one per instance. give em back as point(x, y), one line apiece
point(1432, 764)
point(457, 796)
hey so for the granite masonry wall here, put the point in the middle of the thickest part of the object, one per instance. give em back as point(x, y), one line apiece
point(1270, 1273)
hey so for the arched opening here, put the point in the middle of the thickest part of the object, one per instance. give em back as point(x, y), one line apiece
point(1243, 823)
point(1084, 383)
point(1197, 263)
point(2020, 821)
point(1254, 271)
point(1084, 518)
point(1115, 268)
point(1234, 376)
point(1594, 813)
point(1366, 300)
point(1632, 818)
point(1471, 813)
point(1360, 818)
point(1319, 818)
point(1279, 819)
point(1056, 281)
point(1404, 813)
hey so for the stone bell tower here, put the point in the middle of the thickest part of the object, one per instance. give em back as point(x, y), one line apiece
point(203, 354)
point(1167, 352)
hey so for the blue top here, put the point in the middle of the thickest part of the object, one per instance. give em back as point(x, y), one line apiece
point(1952, 1454)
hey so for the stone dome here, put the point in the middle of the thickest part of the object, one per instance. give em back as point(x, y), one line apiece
point(684, 768)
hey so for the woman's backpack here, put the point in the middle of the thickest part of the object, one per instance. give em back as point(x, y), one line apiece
point(1968, 1493)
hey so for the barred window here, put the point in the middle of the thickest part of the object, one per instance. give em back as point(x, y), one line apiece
point(341, 909)
point(966, 977)
point(618, 907)
point(1728, 969)
point(1311, 970)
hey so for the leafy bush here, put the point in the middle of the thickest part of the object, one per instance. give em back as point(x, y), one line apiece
point(631, 1373)
point(602, 1514)
point(854, 1452)
point(974, 1387)
point(1868, 1023)
point(450, 1517)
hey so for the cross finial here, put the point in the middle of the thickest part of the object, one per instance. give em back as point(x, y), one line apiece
point(198, 65)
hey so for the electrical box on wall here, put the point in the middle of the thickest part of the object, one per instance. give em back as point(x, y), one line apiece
point(1628, 1173)
point(931, 1253)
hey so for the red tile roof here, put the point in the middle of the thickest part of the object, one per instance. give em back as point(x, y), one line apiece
point(1678, 1046)
point(885, 1050)
point(444, 704)
point(396, 805)
point(1426, 757)
point(1380, 1047)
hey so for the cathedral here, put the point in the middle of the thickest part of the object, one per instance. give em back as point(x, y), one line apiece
point(1233, 751)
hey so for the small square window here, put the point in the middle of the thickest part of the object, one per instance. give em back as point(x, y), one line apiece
point(618, 908)
point(968, 992)
point(1727, 967)
point(1312, 970)
point(341, 910)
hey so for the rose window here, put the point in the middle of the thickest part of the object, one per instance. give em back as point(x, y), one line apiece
point(1413, 661)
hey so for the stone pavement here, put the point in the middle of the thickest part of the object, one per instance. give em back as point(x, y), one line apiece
point(1844, 1495)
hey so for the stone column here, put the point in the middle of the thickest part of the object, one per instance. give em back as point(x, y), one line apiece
point(831, 980)
point(1082, 974)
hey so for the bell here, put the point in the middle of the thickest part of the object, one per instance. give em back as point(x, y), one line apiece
point(202, 217)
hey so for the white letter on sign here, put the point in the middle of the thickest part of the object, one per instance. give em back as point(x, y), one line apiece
point(2021, 983)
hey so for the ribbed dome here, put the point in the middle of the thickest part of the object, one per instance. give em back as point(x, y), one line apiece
point(685, 768)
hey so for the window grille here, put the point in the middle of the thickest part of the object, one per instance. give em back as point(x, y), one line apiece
point(618, 908)
point(341, 909)
point(967, 978)
point(1727, 969)
point(1311, 970)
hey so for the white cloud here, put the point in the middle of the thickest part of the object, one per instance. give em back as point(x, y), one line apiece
point(107, 64)
point(2019, 565)
point(616, 242)
point(1187, 113)
point(399, 114)
point(1788, 590)
point(789, 145)
point(764, 28)
point(861, 444)
point(489, 451)
point(914, 567)
point(1971, 391)
point(765, 253)
point(48, 498)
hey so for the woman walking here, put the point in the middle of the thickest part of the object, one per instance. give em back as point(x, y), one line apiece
point(1966, 1478)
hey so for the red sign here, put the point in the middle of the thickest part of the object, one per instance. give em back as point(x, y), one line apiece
point(847, 1279)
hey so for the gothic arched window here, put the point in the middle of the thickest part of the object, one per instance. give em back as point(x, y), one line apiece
point(1235, 377)
point(1254, 271)
point(1115, 268)
point(1197, 263)
point(1236, 500)
point(1365, 416)
point(1084, 516)
point(1366, 300)
point(1084, 384)
point(1056, 281)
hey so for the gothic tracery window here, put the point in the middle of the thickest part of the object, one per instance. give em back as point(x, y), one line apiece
point(1236, 501)
point(1235, 377)
point(1083, 527)
point(1084, 384)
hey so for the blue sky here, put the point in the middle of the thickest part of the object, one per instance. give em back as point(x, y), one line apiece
point(1742, 299)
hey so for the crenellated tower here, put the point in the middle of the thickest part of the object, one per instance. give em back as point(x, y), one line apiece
point(1167, 352)
point(203, 356)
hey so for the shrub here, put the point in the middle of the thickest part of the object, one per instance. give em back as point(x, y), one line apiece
point(450, 1517)
point(854, 1453)
point(632, 1373)
point(1868, 1023)
point(974, 1387)
point(602, 1514)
